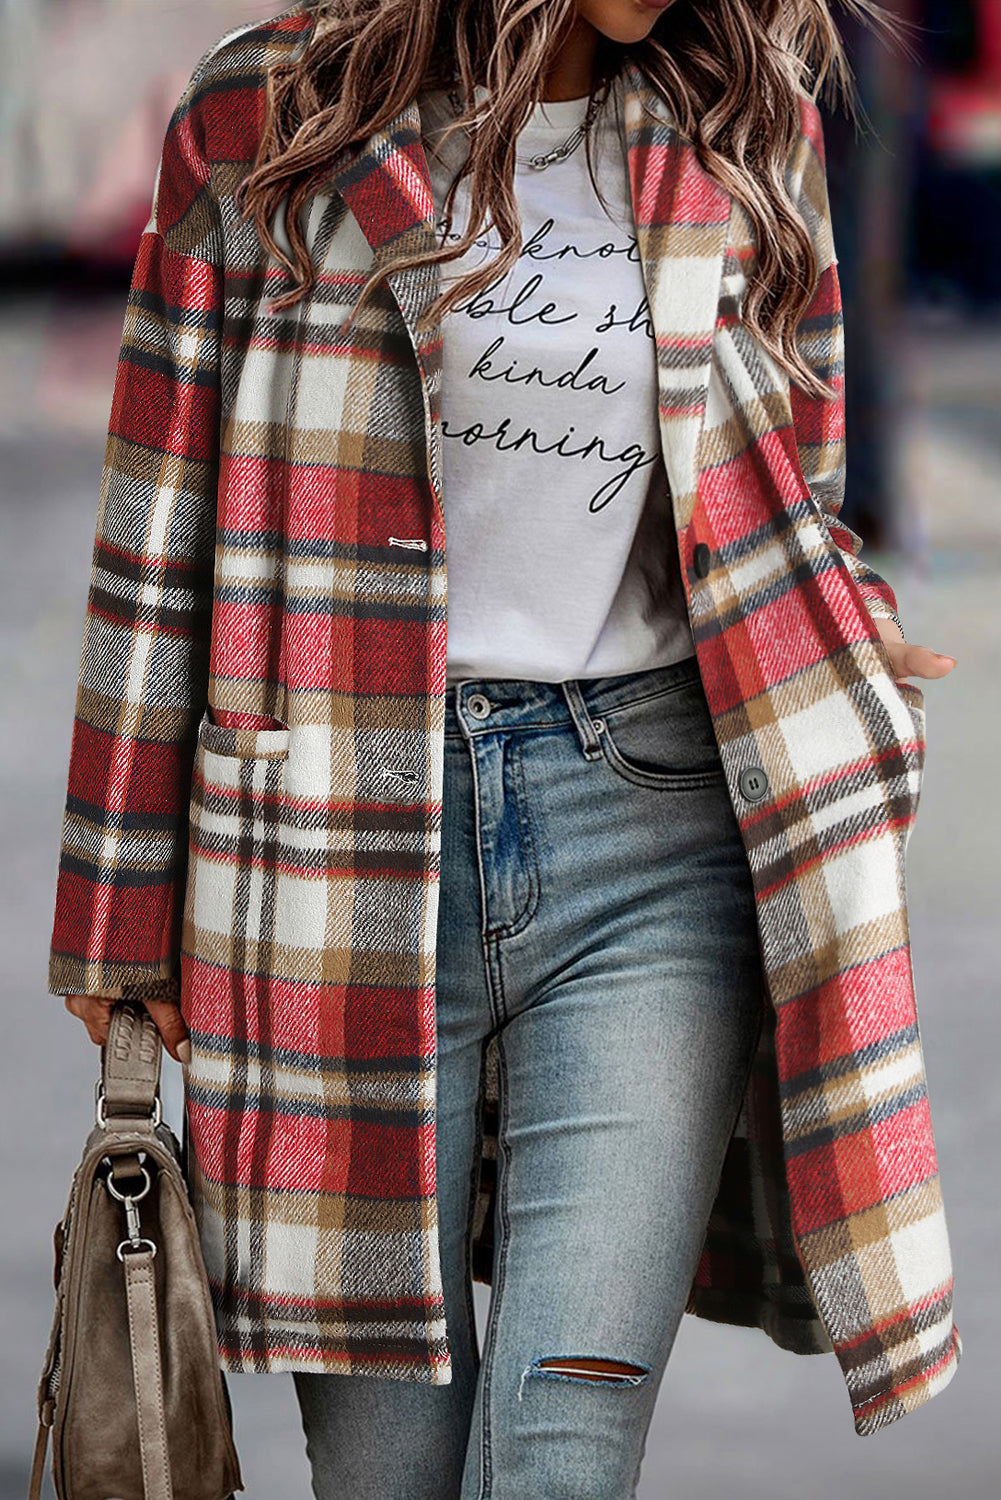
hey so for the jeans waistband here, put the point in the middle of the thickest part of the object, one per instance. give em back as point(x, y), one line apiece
point(486, 704)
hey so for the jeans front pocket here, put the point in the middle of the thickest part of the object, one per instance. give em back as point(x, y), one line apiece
point(663, 739)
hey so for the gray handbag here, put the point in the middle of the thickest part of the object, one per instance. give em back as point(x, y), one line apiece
point(132, 1390)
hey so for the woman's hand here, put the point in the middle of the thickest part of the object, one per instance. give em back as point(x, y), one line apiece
point(95, 1013)
point(911, 661)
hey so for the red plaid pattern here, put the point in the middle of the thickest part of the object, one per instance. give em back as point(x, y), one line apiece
point(254, 802)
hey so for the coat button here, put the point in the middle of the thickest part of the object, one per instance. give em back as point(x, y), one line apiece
point(700, 557)
point(478, 706)
point(753, 783)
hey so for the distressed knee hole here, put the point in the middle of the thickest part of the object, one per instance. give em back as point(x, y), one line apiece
point(591, 1369)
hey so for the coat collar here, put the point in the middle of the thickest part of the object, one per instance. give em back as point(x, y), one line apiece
point(682, 224)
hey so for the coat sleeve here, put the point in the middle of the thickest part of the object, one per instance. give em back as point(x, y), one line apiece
point(820, 423)
point(143, 675)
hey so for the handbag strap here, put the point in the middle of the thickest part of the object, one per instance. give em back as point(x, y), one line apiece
point(147, 1375)
point(147, 1371)
point(130, 1062)
point(38, 1459)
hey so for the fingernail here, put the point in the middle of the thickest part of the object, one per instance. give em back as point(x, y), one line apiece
point(941, 657)
point(184, 1051)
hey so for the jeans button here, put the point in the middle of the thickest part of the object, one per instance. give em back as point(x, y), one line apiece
point(478, 705)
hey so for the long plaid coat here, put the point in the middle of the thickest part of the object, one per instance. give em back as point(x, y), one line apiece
point(254, 803)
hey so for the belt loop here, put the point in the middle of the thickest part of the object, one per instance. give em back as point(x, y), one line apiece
point(590, 744)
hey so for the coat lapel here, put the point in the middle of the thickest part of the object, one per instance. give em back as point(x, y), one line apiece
point(387, 187)
point(682, 222)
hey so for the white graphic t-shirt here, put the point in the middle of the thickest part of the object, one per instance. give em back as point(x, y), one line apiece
point(561, 555)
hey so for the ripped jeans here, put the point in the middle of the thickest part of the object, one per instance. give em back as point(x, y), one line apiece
point(597, 913)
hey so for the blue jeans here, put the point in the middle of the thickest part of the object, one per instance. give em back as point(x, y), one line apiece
point(597, 913)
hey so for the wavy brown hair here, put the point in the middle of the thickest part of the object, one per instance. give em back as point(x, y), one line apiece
point(729, 70)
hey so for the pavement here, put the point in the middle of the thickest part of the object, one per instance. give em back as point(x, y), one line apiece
point(735, 1414)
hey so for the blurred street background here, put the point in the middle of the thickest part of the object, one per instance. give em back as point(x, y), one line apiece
point(86, 89)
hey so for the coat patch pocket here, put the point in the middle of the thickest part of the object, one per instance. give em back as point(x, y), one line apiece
point(233, 896)
point(267, 740)
point(915, 700)
point(913, 696)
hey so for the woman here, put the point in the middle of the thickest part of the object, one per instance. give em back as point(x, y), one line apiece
point(569, 952)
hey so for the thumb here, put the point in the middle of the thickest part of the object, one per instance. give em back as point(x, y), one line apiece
point(170, 1024)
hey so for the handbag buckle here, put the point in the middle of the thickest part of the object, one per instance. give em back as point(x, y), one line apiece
point(133, 1240)
point(100, 1111)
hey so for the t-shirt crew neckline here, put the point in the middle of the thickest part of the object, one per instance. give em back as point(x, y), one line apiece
point(550, 116)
